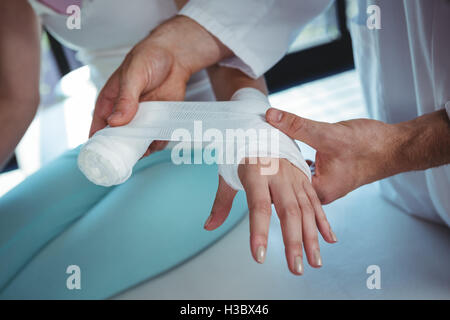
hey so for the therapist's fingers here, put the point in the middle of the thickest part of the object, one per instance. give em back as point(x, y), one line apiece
point(260, 208)
point(314, 133)
point(288, 211)
point(105, 103)
point(222, 205)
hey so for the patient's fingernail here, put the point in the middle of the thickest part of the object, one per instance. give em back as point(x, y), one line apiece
point(333, 236)
point(207, 221)
point(261, 254)
point(317, 258)
point(275, 115)
point(298, 265)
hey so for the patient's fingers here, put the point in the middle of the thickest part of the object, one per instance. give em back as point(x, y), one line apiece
point(222, 205)
point(105, 103)
point(260, 208)
point(310, 235)
point(156, 145)
point(288, 211)
point(321, 219)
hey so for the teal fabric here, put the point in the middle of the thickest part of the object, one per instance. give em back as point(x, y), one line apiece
point(118, 236)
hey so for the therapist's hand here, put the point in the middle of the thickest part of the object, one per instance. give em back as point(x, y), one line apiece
point(296, 204)
point(149, 72)
point(356, 152)
point(157, 68)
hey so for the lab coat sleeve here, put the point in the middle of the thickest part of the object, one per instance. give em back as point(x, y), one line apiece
point(259, 32)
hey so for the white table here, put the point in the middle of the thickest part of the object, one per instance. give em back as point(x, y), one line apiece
point(413, 256)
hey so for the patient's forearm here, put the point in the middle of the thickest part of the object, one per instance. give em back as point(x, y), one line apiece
point(424, 142)
point(19, 72)
point(226, 81)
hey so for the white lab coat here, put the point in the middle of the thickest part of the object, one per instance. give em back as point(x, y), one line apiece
point(109, 29)
point(404, 68)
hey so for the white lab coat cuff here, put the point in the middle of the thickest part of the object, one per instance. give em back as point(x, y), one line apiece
point(243, 59)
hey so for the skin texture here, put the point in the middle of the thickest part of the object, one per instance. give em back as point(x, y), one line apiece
point(296, 203)
point(349, 153)
point(19, 76)
point(157, 68)
point(369, 150)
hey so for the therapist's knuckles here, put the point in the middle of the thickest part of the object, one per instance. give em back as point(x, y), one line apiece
point(335, 177)
point(359, 153)
point(325, 194)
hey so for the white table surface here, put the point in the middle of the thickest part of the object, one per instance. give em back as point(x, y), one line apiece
point(413, 256)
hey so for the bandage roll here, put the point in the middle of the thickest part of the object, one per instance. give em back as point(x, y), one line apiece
point(109, 156)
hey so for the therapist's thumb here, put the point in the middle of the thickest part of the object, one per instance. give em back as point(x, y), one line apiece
point(127, 101)
point(298, 128)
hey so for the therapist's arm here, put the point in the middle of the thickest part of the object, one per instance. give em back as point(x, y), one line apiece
point(258, 32)
point(251, 35)
point(157, 68)
point(356, 152)
point(295, 201)
point(19, 72)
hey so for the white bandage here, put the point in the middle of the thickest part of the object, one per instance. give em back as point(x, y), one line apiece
point(109, 156)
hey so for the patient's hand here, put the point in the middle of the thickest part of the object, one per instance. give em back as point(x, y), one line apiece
point(297, 206)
